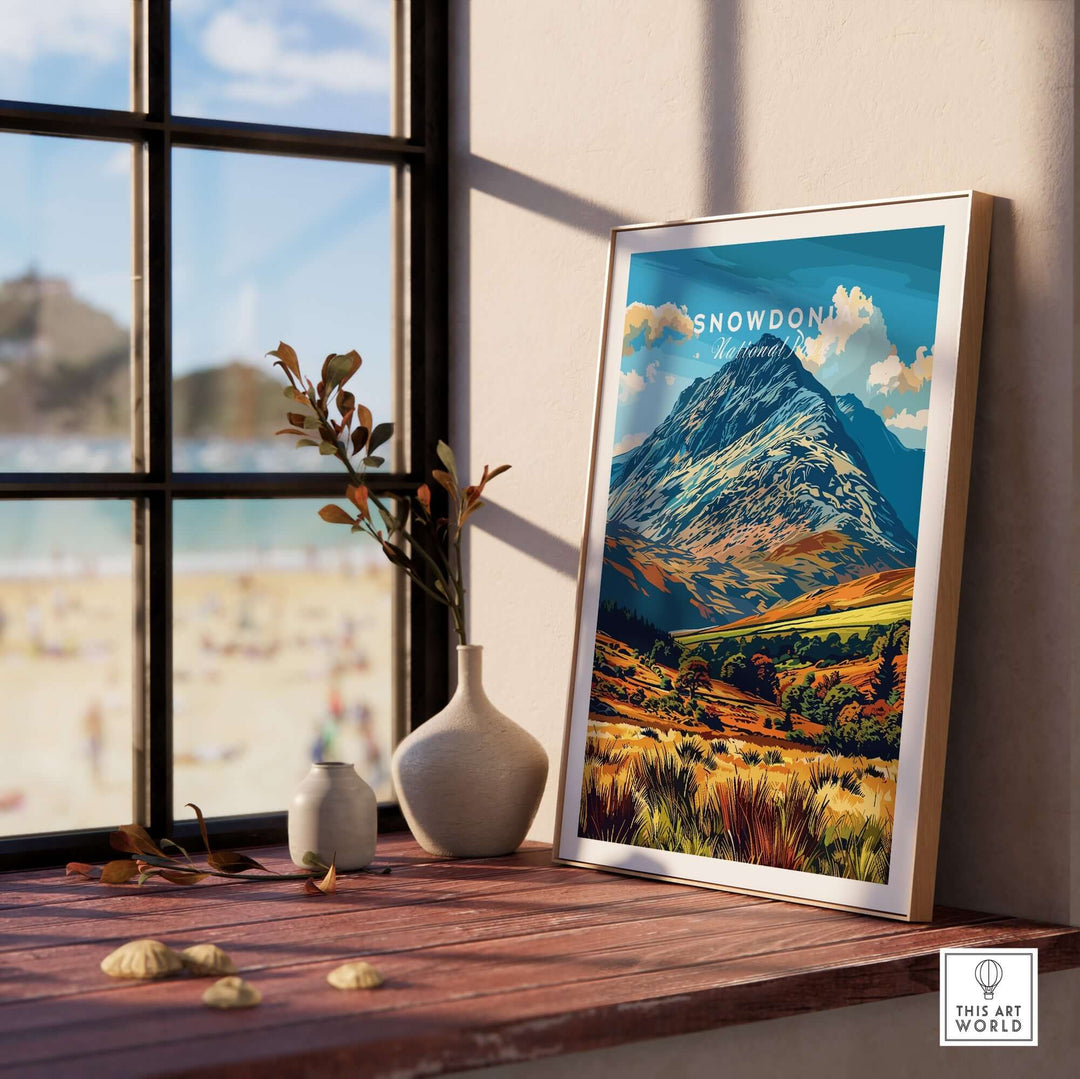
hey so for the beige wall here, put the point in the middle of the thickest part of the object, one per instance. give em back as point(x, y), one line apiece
point(573, 115)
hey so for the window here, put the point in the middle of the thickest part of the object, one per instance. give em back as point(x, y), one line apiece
point(181, 186)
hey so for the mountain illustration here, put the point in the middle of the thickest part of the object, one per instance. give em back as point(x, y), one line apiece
point(898, 469)
point(65, 369)
point(754, 478)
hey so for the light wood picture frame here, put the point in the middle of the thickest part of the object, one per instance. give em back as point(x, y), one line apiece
point(770, 567)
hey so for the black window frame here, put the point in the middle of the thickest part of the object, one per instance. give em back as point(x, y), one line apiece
point(422, 154)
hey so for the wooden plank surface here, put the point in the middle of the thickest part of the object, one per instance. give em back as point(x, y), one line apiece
point(485, 961)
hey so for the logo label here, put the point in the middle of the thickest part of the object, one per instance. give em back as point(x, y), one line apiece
point(989, 996)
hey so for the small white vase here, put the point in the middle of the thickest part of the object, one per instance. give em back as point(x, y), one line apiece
point(469, 780)
point(333, 813)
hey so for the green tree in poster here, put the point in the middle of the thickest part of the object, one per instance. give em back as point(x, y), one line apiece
point(768, 682)
point(693, 675)
point(886, 681)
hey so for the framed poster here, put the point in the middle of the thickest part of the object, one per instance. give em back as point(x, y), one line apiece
point(770, 569)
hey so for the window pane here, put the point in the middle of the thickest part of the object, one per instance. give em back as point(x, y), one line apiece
point(66, 52)
point(294, 62)
point(282, 653)
point(65, 305)
point(268, 249)
point(66, 602)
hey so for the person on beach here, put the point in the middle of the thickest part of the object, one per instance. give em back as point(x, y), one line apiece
point(94, 728)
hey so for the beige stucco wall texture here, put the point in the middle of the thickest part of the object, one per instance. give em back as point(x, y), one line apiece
point(570, 116)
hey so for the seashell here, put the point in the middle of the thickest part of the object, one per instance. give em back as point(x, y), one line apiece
point(232, 992)
point(359, 975)
point(142, 959)
point(207, 960)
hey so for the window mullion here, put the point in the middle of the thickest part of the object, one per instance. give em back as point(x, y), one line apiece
point(157, 807)
point(428, 325)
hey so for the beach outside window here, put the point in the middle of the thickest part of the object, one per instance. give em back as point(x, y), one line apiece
point(182, 185)
point(282, 652)
point(66, 605)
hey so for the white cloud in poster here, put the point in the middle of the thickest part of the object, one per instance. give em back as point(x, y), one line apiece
point(629, 442)
point(892, 374)
point(647, 325)
point(912, 421)
point(850, 312)
point(630, 385)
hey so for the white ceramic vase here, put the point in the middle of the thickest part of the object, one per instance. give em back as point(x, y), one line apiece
point(469, 780)
point(333, 813)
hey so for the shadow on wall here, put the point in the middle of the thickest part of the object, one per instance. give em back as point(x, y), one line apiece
point(999, 847)
point(580, 211)
point(528, 538)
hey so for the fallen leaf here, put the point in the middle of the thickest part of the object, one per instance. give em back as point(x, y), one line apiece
point(232, 861)
point(182, 876)
point(325, 886)
point(79, 869)
point(120, 871)
point(134, 839)
point(202, 824)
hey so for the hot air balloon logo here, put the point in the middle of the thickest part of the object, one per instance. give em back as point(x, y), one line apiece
point(988, 974)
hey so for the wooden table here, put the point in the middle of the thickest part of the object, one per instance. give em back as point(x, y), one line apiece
point(485, 962)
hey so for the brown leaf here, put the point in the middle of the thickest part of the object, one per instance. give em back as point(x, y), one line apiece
point(379, 435)
point(345, 402)
point(359, 437)
point(396, 555)
point(120, 871)
point(423, 496)
point(325, 886)
point(182, 876)
point(297, 419)
point(446, 455)
point(287, 359)
point(363, 417)
point(474, 493)
point(202, 824)
point(335, 515)
point(233, 861)
point(444, 479)
point(134, 839)
point(469, 510)
point(358, 496)
point(291, 431)
point(337, 370)
point(79, 869)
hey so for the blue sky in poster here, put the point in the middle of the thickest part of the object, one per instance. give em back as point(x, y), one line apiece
point(859, 310)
